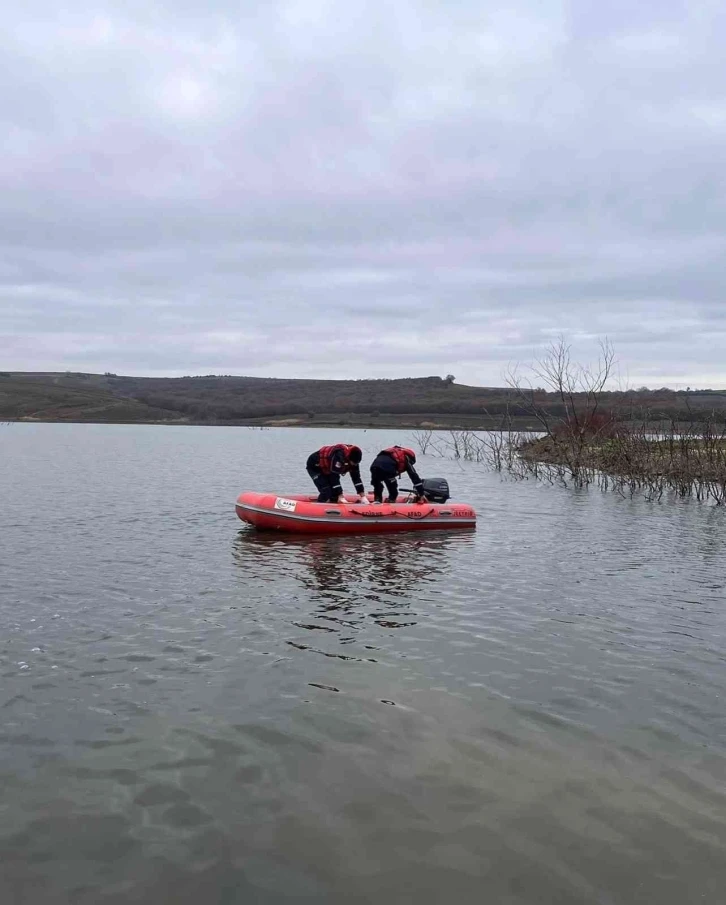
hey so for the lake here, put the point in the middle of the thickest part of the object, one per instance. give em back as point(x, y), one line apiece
point(196, 713)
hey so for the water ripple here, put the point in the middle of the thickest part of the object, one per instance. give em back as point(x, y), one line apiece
point(193, 710)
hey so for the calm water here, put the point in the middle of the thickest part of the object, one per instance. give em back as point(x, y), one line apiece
point(194, 713)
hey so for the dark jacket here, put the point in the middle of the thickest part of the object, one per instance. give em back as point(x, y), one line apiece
point(396, 460)
point(335, 463)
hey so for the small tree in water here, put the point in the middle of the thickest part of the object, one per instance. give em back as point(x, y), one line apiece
point(578, 417)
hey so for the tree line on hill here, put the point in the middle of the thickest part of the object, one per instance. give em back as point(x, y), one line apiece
point(211, 399)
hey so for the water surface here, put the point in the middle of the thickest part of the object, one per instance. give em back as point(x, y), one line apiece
point(194, 712)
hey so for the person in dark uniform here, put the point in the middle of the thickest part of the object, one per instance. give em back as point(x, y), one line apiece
point(327, 465)
point(387, 466)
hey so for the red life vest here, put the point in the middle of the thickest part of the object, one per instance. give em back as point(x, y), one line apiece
point(326, 455)
point(399, 454)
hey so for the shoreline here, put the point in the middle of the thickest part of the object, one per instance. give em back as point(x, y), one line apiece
point(382, 423)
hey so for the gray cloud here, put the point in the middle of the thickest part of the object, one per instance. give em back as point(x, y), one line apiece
point(306, 189)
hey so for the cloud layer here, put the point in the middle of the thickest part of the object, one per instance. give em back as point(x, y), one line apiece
point(320, 189)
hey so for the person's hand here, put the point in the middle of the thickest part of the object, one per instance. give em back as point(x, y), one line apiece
point(363, 499)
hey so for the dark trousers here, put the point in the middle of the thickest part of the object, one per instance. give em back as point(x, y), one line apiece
point(383, 471)
point(324, 482)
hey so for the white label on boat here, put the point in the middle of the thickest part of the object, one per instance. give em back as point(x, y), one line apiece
point(287, 505)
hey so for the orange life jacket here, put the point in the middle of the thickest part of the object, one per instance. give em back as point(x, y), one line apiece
point(399, 454)
point(326, 455)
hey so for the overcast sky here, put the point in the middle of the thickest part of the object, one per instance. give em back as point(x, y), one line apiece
point(363, 189)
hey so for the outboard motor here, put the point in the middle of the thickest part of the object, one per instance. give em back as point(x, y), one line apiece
point(436, 490)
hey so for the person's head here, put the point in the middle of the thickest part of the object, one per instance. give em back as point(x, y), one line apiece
point(355, 455)
point(410, 454)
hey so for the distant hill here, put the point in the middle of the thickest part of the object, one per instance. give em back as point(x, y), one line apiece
point(411, 402)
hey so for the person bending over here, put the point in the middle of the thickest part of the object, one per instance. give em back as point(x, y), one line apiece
point(387, 466)
point(327, 465)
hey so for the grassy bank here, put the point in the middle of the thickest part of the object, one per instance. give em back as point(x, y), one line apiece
point(689, 460)
point(686, 459)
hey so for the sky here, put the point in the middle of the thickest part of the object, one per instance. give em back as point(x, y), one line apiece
point(363, 189)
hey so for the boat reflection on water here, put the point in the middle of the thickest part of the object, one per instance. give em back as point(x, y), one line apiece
point(356, 577)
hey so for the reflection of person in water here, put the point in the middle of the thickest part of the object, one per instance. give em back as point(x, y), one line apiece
point(387, 568)
point(338, 611)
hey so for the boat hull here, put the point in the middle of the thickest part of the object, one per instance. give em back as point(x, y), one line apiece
point(304, 515)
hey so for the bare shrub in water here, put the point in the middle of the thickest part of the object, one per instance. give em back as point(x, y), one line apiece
point(580, 418)
point(583, 442)
point(422, 439)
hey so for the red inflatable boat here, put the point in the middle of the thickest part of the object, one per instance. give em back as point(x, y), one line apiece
point(303, 514)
